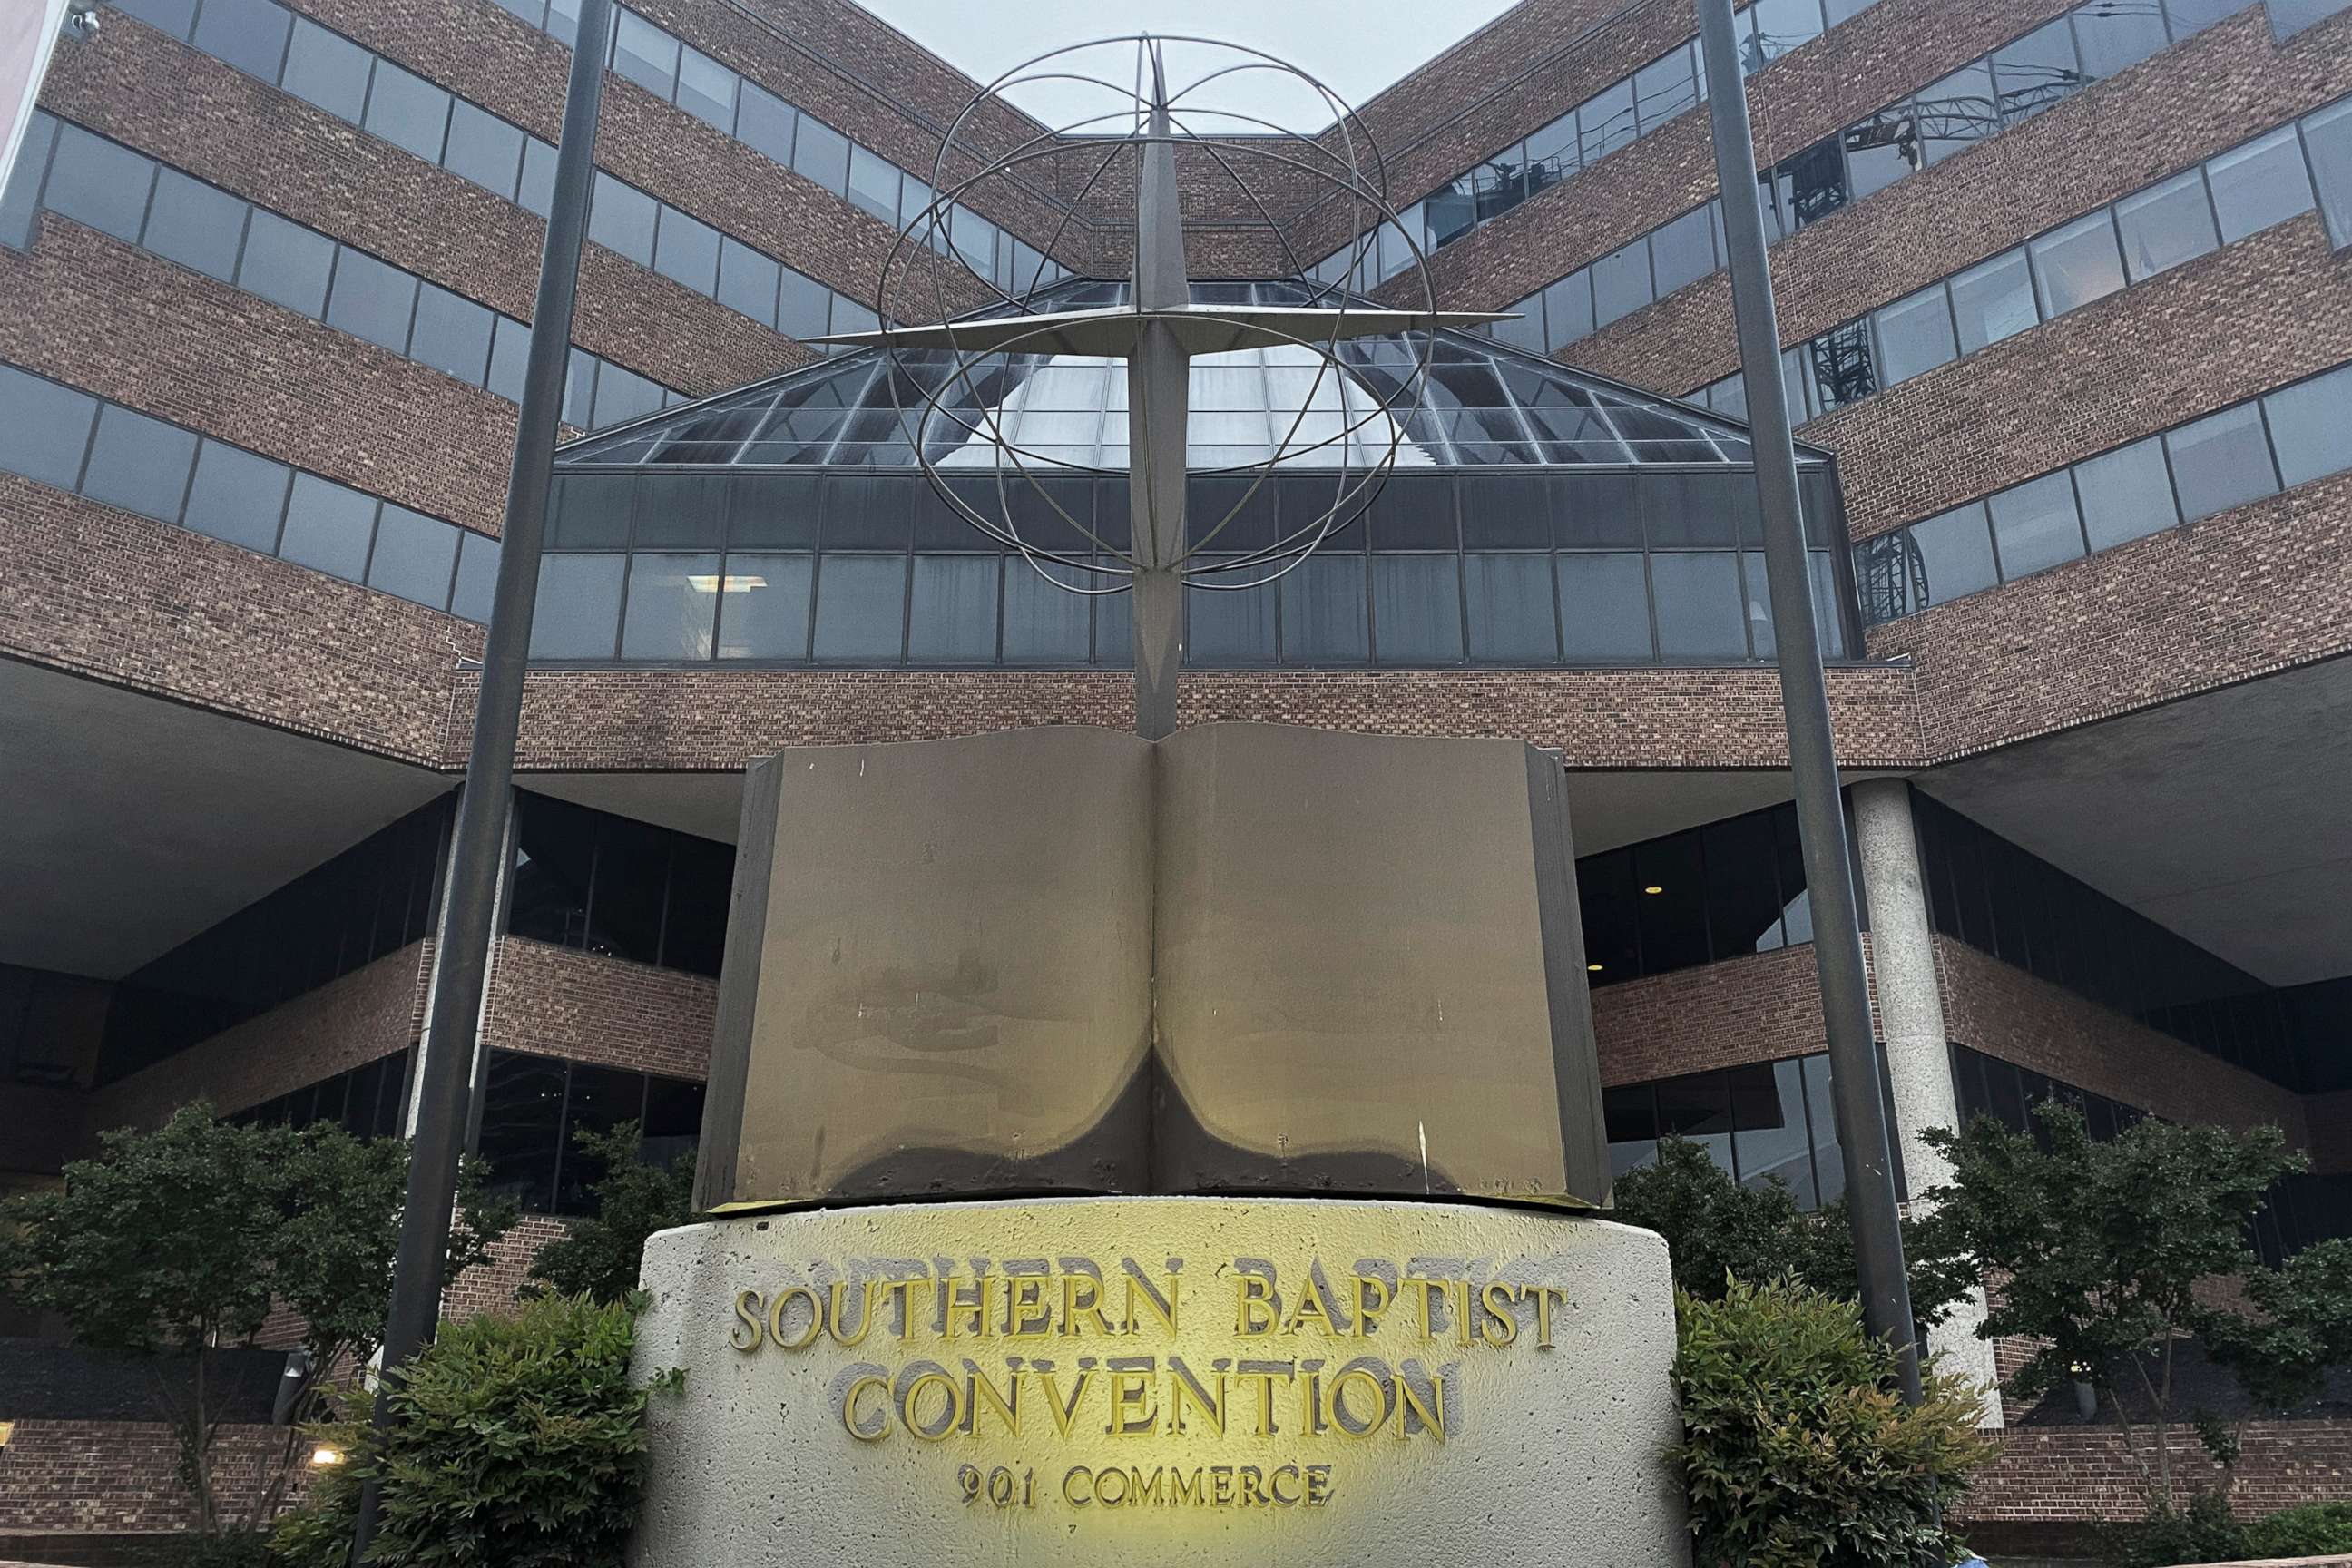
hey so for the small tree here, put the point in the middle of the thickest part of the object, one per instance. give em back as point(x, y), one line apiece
point(599, 1256)
point(178, 1242)
point(1718, 1229)
point(2097, 1250)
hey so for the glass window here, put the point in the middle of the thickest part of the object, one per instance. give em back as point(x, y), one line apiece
point(673, 603)
point(509, 353)
point(688, 251)
point(953, 615)
point(1663, 89)
point(1672, 908)
point(1958, 112)
point(578, 614)
point(2036, 71)
point(1605, 122)
point(1510, 609)
point(1527, 331)
point(453, 334)
point(408, 111)
point(2193, 16)
point(477, 577)
point(328, 526)
point(1044, 623)
point(194, 225)
point(328, 70)
point(822, 154)
point(372, 300)
point(1768, 1135)
point(95, 182)
point(2221, 462)
point(415, 556)
point(2258, 184)
point(591, 512)
point(2289, 18)
point(173, 16)
point(1994, 301)
point(705, 89)
point(622, 217)
point(2126, 494)
point(2077, 264)
point(1604, 607)
point(803, 306)
point(861, 609)
point(1700, 611)
point(747, 280)
point(1820, 1109)
point(483, 149)
point(1954, 555)
point(18, 196)
point(2328, 136)
point(645, 54)
point(1568, 308)
point(2311, 427)
point(623, 395)
point(874, 183)
point(764, 122)
point(248, 34)
point(1323, 616)
point(1843, 369)
point(1620, 283)
point(1230, 629)
point(1914, 335)
point(684, 511)
point(537, 192)
point(2114, 37)
point(1683, 251)
point(1417, 609)
point(2035, 526)
point(139, 464)
point(765, 609)
point(237, 497)
point(2166, 225)
point(1784, 24)
point(1809, 185)
point(286, 264)
point(523, 1124)
point(1881, 150)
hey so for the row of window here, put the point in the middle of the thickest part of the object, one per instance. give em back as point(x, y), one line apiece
point(2013, 83)
point(1988, 1085)
point(266, 40)
point(86, 177)
point(374, 899)
point(1700, 896)
point(2240, 192)
point(732, 104)
point(683, 249)
point(1988, 893)
point(1762, 1122)
point(124, 458)
point(368, 1101)
point(1619, 113)
point(2209, 465)
point(613, 885)
point(532, 1105)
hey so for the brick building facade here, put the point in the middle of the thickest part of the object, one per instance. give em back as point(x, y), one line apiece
point(231, 738)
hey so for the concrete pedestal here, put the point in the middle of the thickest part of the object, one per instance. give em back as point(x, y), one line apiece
point(1161, 1380)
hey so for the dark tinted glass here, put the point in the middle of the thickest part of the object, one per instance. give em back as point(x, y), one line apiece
point(237, 497)
point(1994, 301)
point(1044, 623)
point(1954, 553)
point(2035, 526)
point(408, 111)
point(1417, 609)
point(452, 334)
point(415, 556)
point(1233, 627)
point(1914, 335)
point(1323, 611)
point(1510, 609)
point(328, 70)
point(522, 1112)
point(579, 609)
point(1700, 612)
point(681, 511)
point(372, 300)
point(1698, 1107)
point(248, 34)
point(328, 526)
point(861, 609)
point(139, 464)
point(954, 610)
point(93, 181)
point(765, 612)
point(194, 225)
point(779, 510)
point(1604, 607)
point(1769, 1136)
point(2221, 462)
point(43, 428)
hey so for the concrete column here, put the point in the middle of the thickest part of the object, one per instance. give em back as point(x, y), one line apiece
point(1911, 1024)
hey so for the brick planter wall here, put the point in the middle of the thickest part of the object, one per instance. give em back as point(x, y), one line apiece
point(119, 1476)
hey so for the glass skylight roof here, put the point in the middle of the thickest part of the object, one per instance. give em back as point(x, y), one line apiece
point(1484, 404)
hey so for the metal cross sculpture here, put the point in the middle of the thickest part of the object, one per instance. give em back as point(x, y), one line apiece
point(1157, 333)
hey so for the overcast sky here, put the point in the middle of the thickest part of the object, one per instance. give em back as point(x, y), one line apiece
point(1355, 47)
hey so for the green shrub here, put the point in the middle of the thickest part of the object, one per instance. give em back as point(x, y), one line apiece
point(599, 1256)
point(2204, 1532)
point(521, 1442)
point(2315, 1529)
point(1797, 1450)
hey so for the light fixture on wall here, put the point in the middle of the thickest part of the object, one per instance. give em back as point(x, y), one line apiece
point(1654, 889)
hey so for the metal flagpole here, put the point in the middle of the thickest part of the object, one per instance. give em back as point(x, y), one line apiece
point(462, 945)
point(1804, 697)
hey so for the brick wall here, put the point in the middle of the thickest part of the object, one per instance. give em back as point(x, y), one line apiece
point(491, 1286)
point(120, 1476)
point(558, 1001)
point(2082, 1475)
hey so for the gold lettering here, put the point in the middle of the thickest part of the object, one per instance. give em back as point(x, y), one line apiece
point(1253, 1306)
point(1102, 1487)
point(974, 1309)
point(1499, 1299)
point(1310, 1305)
point(1141, 1492)
point(1338, 1413)
point(1319, 1485)
point(1274, 1485)
point(776, 1318)
point(849, 1410)
point(1432, 1415)
point(1062, 1414)
point(747, 1334)
point(1132, 1413)
point(1261, 1375)
point(1220, 1486)
point(1183, 1488)
point(1311, 1403)
point(1069, 1477)
point(1430, 1290)
point(1186, 1389)
point(1252, 1479)
point(865, 1319)
point(1006, 1405)
point(1374, 1298)
point(1140, 1293)
point(1026, 1314)
point(915, 1390)
point(1075, 1311)
point(1543, 1295)
point(1462, 1327)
